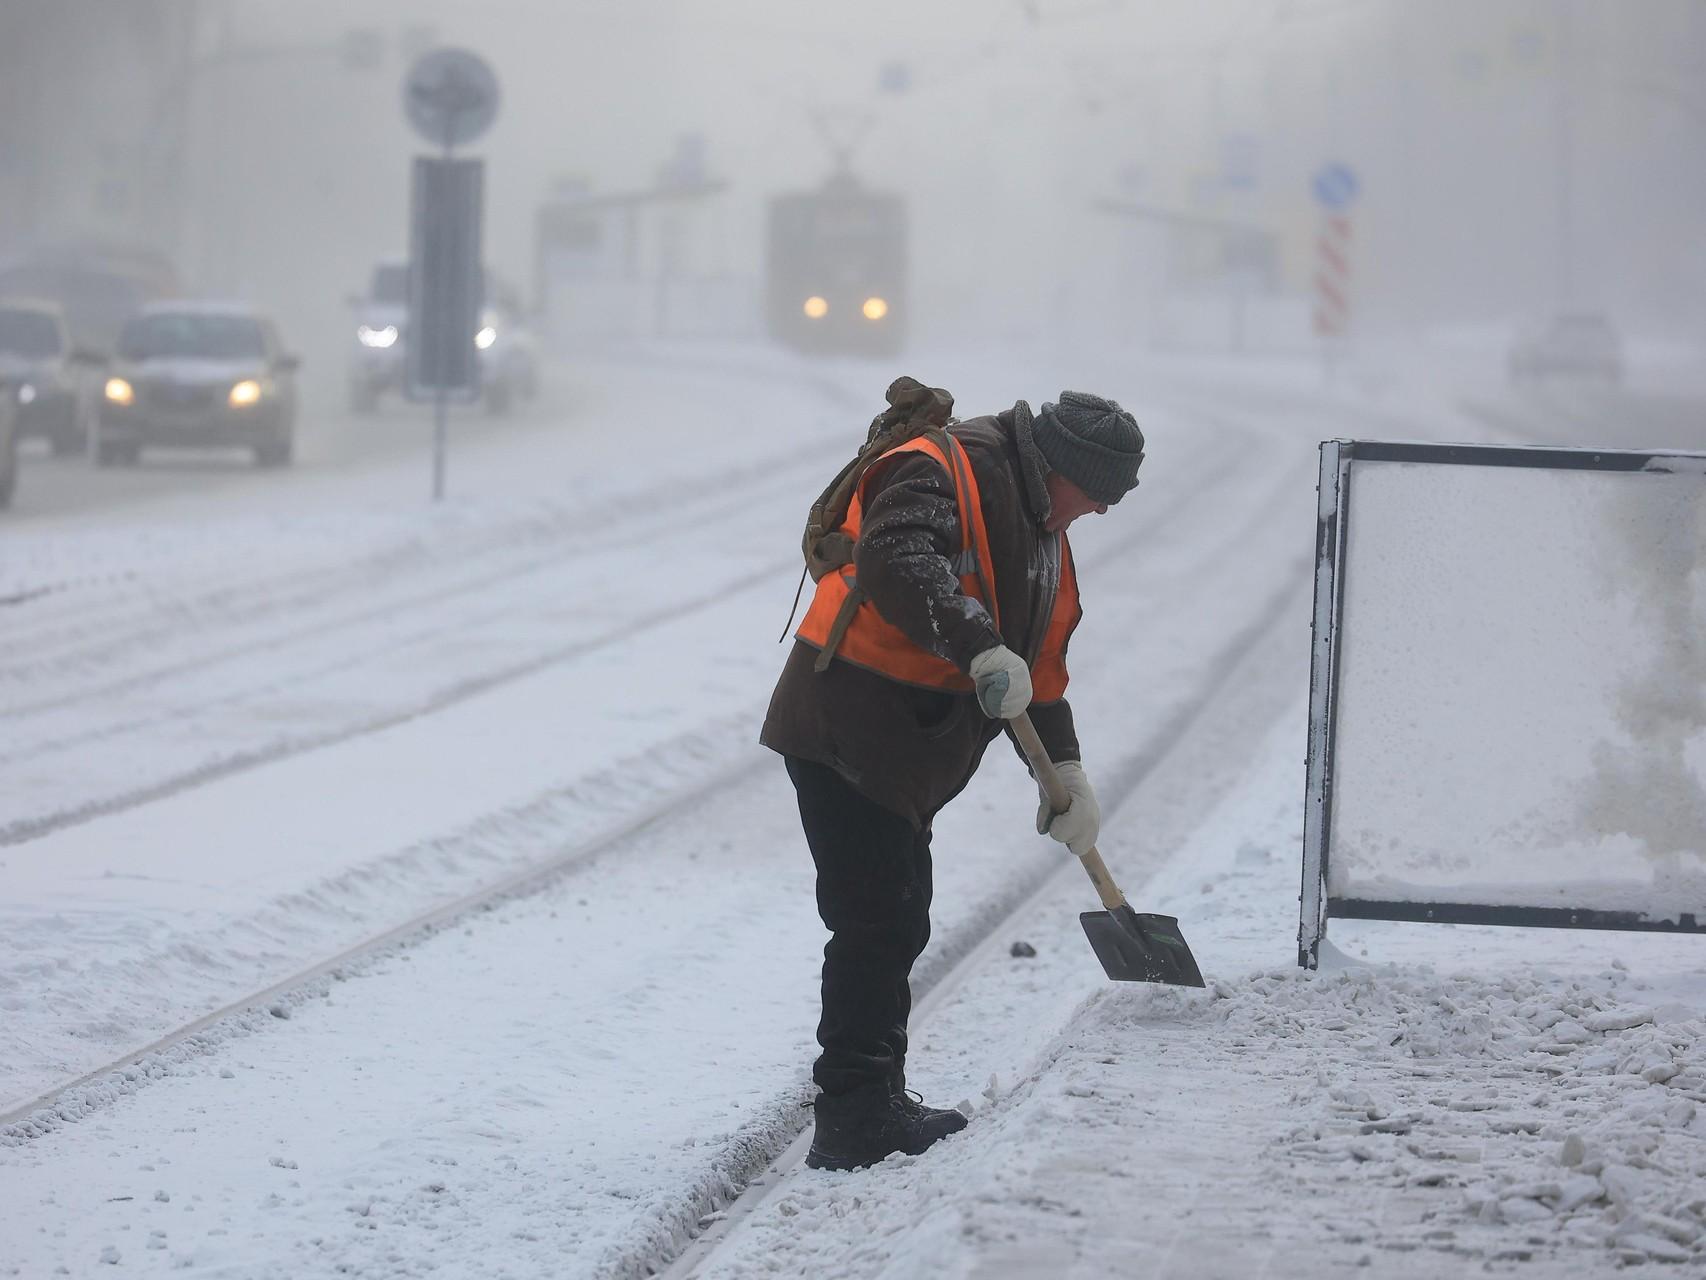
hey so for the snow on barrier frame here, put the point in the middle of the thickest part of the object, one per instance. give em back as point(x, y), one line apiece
point(1338, 466)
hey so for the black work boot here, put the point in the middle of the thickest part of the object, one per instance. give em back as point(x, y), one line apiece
point(870, 1124)
point(913, 1104)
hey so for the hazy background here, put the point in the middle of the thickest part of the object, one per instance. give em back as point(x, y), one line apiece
point(1514, 157)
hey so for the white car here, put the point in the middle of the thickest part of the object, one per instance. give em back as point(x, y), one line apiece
point(206, 374)
point(1581, 345)
point(509, 362)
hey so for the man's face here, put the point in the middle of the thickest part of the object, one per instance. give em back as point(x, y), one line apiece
point(1066, 502)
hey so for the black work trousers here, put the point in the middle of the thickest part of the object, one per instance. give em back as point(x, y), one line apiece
point(873, 891)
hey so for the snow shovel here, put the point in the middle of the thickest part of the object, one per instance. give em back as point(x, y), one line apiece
point(1133, 946)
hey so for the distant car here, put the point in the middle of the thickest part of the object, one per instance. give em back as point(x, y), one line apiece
point(509, 354)
point(376, 360)
point(509, 362)
point(1579, 345)
point(200, 375)
point(47, 376)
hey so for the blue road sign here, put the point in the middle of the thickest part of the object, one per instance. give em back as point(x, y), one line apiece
point(1335, 187)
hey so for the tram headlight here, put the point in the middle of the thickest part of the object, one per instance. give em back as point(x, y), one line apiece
point(816, 308)
point(875, 308)
point(118, 391)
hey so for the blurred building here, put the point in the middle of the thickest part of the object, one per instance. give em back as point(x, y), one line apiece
point(641, 263)
point(90, 121)
point(1514, 159)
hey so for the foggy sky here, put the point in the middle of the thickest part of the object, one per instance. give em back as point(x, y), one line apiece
point(1017, 117)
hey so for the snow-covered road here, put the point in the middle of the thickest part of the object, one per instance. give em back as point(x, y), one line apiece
point(367, 715)
point(435, 770)
point(218, 775)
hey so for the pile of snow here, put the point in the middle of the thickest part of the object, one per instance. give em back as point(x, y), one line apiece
point(1553, 1106)
point(1289, 1123)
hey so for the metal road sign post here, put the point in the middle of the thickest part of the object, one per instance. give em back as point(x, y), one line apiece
point(450, 96)
point(440, 360)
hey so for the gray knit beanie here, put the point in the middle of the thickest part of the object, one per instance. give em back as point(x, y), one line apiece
point(1092, 442)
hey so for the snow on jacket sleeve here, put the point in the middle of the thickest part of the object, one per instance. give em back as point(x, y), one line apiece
point(910, 529)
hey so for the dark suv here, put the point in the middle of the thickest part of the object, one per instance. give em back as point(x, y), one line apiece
point(199, 375)
point(45, 374)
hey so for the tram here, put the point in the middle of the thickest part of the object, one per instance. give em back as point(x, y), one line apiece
point(836, 278)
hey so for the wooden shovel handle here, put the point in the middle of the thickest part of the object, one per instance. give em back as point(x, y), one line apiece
point(1060, 801)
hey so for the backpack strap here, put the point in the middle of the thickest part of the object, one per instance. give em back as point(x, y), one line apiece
point(914, 409)
point(856, 596)
point(959, 465)
point(953, 452)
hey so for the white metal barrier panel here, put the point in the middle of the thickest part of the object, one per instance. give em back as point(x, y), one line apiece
point(1508, 694)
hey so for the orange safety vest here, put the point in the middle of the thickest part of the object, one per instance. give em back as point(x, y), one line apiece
point(868, 640)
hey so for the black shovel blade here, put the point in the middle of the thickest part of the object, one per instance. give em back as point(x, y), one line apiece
point(1141, 947)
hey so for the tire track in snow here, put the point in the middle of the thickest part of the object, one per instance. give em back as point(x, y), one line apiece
point(22, 830)
point(248, 602)
point(75, 616)
point(122, 1075)
point(422, 602)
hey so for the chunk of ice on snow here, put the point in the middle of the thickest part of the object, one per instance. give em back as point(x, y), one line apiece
point(1656, 1247)
point(1516, 1209)
point(1577, 1190)
point(1617, 1019)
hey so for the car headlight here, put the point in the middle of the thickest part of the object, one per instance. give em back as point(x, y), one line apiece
point(875, 308)
point(816, 308)
point(245, 393)
point(382, 337)
point(119, 391)
point(485, 337)
point(26, 394)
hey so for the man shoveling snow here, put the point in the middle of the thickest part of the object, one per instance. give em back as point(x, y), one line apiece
point(945, 600)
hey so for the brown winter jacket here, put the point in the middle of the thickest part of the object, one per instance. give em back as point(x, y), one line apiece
point(910, 749)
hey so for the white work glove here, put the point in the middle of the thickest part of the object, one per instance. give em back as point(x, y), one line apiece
point(1079, 826)
point(1003, 682)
